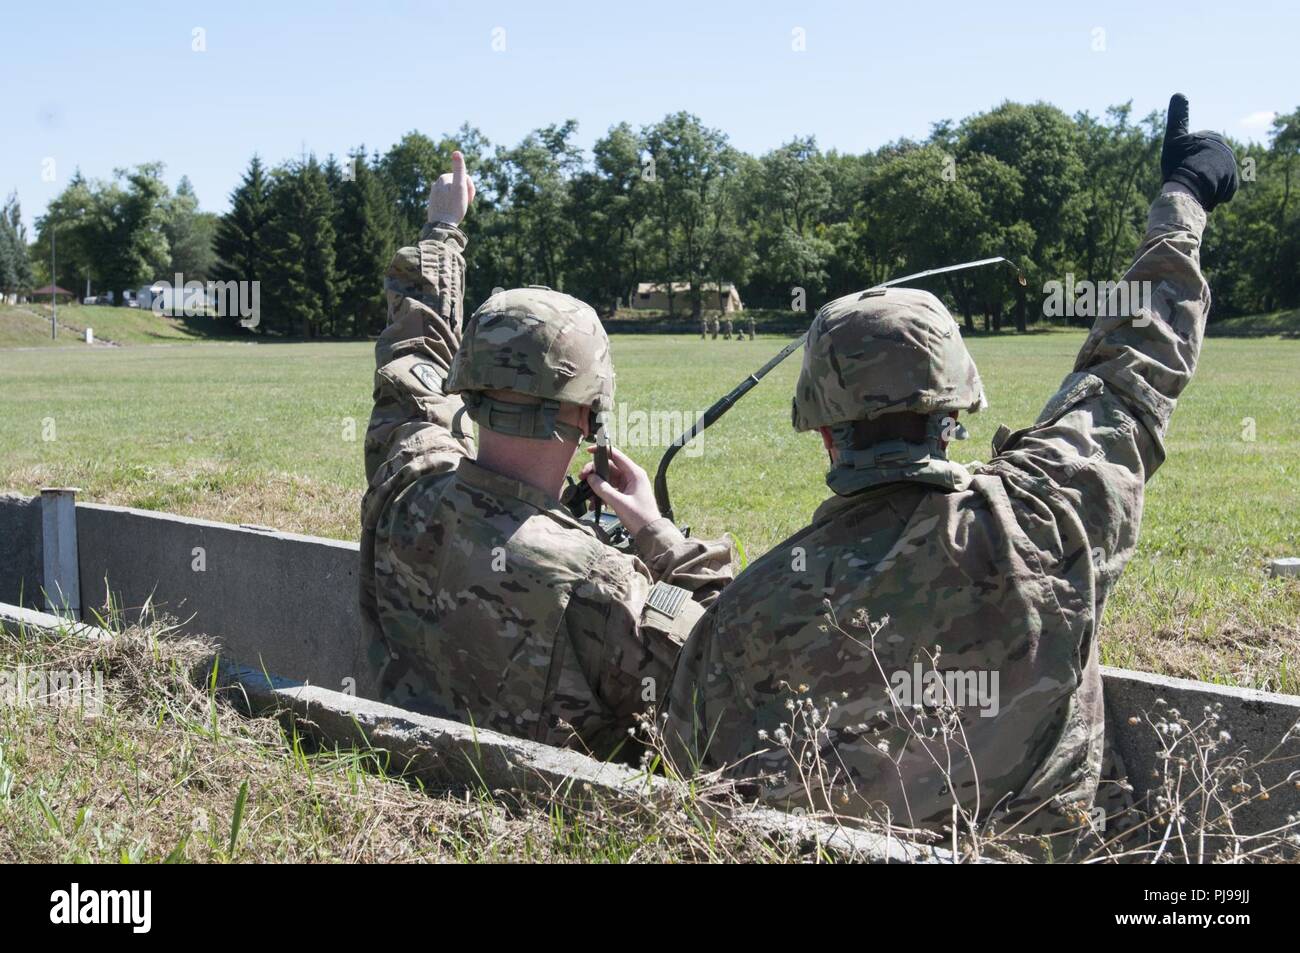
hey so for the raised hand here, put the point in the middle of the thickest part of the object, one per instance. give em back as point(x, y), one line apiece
point(1201, 162)
point(451, 194)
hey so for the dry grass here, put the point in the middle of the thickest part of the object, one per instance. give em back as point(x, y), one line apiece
point(1187, 814)
point(169, 771)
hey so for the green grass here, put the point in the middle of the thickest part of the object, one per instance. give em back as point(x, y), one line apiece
point(272, 434)
point(28, 325)
point(1276, 323)
point(25, 326)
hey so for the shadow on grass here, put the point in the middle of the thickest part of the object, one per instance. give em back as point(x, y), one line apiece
point(1283, 324)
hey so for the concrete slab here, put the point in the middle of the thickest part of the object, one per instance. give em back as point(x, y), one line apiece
point(1256, 721)
point(278, 601)
point(17, 619)
point(22, 557)
point(1287, 566)
point(442, 752)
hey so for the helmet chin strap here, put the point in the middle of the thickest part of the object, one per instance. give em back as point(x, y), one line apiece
point(892, 461)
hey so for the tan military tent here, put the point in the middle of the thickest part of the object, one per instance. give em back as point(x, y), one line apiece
point(652, 296)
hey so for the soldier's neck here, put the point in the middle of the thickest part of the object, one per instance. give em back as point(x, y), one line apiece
point(539, 463)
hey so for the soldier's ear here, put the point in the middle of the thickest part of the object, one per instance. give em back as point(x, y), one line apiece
point(575, 415)
point(828, 442)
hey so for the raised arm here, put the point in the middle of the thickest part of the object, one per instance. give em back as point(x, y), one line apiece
point(1101, 436)
point(414, 427)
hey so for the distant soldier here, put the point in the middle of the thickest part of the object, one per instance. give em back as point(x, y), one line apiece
point(482, 598)
point(713, 327)
point(1000, 570)
point(751, 327)
point(704, 327)
point(730, 328)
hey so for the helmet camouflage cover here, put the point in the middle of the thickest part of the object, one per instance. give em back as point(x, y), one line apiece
point(884, 351)
point(537, 343)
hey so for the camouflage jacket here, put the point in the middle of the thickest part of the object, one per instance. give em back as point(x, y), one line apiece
point(482, 599)
point(1004, 576)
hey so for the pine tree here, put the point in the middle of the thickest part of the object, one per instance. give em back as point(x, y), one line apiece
point(240, 241)
point(15, 260)
point(189, 234)
point(300, 285)
point(363, 245)
point(8, 265)
point(21, 251)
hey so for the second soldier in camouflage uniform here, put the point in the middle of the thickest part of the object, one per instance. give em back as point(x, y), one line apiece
point(482, 598)
point(1002, 569)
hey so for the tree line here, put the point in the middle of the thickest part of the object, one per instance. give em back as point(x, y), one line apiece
point(676, 202)
point(15, 257)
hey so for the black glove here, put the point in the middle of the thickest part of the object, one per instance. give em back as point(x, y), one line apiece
point(1202, 162)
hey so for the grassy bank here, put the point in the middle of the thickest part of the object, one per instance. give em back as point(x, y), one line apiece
point(28, 325)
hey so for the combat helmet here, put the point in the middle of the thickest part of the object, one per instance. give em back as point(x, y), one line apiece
point(537, 343)
point(887, 351)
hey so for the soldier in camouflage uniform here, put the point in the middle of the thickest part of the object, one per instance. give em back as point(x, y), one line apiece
point(1001, 569)
point(482, 598)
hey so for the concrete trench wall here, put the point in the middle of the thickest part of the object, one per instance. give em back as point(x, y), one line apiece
point(287, 605)
point(275, 601)
point(21, 551)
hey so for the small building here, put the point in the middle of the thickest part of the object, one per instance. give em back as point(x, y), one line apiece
point(652, 296)
point(49, 291)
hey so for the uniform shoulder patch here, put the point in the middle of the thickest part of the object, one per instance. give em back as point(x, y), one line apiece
point(667, 598)
point(428, 375)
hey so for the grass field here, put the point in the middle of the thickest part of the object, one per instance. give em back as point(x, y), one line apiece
point(28, 325)
point(272, 434)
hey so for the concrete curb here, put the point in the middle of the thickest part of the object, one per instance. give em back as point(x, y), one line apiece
point(435, 750)
point(16, 619)
point(442, 752)
point(1256, 721)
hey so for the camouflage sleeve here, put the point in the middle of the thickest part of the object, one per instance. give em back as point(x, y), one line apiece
point(1101, 436)
point(701, 566)
point(627, 622)
point(625, 656)
point(415, 428)
point(701, 674)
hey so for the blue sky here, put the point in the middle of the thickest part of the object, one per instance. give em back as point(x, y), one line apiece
point(98, 86)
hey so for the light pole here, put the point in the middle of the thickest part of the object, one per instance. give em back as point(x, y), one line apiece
point(54, 298)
